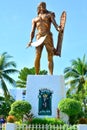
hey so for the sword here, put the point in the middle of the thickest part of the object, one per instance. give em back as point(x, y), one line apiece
point(38, 42)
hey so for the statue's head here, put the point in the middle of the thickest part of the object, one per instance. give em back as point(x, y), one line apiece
point(41, 7)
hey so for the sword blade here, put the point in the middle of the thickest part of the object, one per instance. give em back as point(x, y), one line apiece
point(38, 42)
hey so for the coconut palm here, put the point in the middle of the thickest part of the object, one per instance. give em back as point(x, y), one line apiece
point(7, 67)
point(76, 75)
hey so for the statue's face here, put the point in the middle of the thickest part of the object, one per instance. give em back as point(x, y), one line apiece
point(42, 8)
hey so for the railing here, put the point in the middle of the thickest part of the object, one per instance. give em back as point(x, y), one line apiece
point(42, 127)
point(46, 127)
point(11, 126)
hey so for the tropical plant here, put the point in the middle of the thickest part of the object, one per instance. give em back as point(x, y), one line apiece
point(6, 68)
point(23, 76)
point(5, 105)
point(76, 76)
point(72, 108)
point(19, 109)
point(69, 106)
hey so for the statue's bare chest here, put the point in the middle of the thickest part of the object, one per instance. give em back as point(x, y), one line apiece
point(44, 18)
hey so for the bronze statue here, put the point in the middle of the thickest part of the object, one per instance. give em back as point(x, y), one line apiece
point(42, 23)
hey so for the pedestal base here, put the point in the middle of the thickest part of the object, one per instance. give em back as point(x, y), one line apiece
point(44, 93)
point(10, 126)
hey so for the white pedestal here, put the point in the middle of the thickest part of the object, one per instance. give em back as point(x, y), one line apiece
point(10, 126)
point(82, 127)
point(53, 83)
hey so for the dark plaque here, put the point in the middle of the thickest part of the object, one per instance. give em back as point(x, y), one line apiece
point(45, 101)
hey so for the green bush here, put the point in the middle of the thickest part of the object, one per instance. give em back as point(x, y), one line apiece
point(69, 106)
point(19, 109)
point(45, 121)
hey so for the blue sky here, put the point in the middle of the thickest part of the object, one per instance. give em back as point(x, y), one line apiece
point(15, 27)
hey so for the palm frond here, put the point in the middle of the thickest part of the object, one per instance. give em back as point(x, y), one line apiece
point(9, 79)
point(6, 67)
point(10, 64)
point(71, 90)
point(5, 54)
point(10, 71)
point(70, 72)
point(21, 84)
point(72, 82)
point(76, 74)
point(4, 88)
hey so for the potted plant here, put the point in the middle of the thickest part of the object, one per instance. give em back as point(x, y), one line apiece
point(11, 119)
point(10, 125)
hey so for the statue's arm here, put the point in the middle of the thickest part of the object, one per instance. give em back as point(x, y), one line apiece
point(32, 32)
point(54, 22)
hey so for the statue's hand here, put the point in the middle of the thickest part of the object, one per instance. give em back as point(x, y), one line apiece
point(60, 29)
point(28, 45)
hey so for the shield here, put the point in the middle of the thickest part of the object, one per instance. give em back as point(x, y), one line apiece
point(61, 33)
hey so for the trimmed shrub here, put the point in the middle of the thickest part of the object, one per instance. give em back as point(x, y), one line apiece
point(46, 121)
point(69, 106)
point(19, 109)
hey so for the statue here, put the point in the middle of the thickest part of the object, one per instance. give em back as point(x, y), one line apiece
point(42, 23)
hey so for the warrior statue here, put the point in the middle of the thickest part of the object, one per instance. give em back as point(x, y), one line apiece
point(42, 23)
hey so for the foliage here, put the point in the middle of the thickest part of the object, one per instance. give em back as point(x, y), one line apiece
point(76, 76)
point(5, 105)
point(28, 116)
point(7, 67)
point(20, 108)
point(45, 121)
point(69, 106)
point(24, 73)
point(74, 118)
point(11, 119)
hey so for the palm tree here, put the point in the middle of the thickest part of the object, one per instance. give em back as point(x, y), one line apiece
point(6, 68)
point(23, 76)
point(76, 75)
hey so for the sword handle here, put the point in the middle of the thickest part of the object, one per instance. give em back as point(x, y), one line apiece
point(28, 45)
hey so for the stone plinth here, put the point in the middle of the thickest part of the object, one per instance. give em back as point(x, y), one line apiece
point(44, 87)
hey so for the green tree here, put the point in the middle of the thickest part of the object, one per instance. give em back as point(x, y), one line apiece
point(76, 76)
point(19, 109)
point(7, 67)
point(71, 107)
point(23, 76)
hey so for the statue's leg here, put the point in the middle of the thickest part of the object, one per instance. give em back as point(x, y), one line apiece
point(37, 59)
point(49, 47)
point(50, 63)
